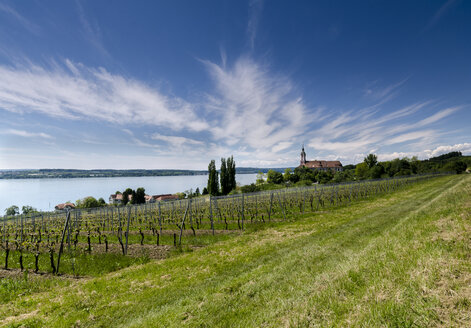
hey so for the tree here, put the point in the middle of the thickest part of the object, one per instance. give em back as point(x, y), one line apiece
point(224, 178)
point(205, 191)
point(87, 202)
point(377, 171)
point(361, 171)
point(274, 177)
point(231, 172)
point(371, 160)
point(213, 187)
point(101, 202)
point(126, 194)
point(456, 166)
point(324, 176)
point(181, 195)
point(197, 192)
point(12, 210)
point(28, 209)
point(250, 188)
point(260, 178)
point(303, 173)
point(139, 197)
point(287, 175)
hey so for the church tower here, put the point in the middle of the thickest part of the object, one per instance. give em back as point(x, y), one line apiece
point(303, 157)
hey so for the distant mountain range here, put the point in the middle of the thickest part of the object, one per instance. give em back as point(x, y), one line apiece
point(107, 173)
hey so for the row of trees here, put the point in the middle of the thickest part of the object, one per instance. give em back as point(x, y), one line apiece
point(15, 210)
point(370, 168)
point(129, 196)
point(227, 177)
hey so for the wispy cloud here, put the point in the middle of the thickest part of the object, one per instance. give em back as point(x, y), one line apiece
point(353, 133)
point(91, 30)
point(438, 15)
point(24, 22)
point(176, 141)
point(373, 91)
point(78, 92)
point(255, 8)
point(26, 134)
point(255, 114)
point(255, 108)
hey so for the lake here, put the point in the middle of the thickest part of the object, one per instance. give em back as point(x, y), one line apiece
point(44, 194)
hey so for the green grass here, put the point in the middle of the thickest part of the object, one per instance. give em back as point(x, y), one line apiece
point(398, 260)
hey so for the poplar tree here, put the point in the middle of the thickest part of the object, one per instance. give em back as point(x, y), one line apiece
point(224, 178)
point(231, 171)
point(213, 185)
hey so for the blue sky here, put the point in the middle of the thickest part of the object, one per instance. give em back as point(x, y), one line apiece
point(174, 84)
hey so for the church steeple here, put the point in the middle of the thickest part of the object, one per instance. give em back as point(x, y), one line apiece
point(303, 156)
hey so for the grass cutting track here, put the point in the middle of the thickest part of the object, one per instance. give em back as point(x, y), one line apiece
point(397, 260)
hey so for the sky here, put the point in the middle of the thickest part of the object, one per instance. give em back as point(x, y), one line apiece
point(174, 84)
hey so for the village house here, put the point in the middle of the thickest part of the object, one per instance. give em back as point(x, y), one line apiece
point(335, 166)
point(64, 206)
point(160, 198)
point(116, 199)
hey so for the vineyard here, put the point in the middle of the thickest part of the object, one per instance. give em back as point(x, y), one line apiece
point(118, 236)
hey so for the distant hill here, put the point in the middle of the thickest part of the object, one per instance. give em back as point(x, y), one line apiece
point(104, 173)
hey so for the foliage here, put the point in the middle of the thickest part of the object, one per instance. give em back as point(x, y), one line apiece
point(231, 172)
point(250, 188)
point(87, 202)
point(12, 210)
point(139, 196)
point(224, 177)
point(274, 177)
point(304, 173)
point(28, 210)
point(371, 160)
point(456, 166)
point(126, 194)
point(324, 176)
point(181, 195)
point(213, 188)
point(376, 171)
point(260, 178)
point(361, 171)
point(452, 154)
point(304, 183)
point(227, 175)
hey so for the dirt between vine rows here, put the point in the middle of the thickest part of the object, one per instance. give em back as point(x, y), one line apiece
point(166, 232)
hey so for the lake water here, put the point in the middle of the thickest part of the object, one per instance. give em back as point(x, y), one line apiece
point(44, 194)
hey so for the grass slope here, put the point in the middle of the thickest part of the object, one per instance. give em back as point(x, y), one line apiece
point(398, 260)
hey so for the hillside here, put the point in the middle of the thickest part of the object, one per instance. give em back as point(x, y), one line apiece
point(397, 260)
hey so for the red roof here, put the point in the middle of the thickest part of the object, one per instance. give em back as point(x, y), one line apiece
point(64, 206)
point(323, 164)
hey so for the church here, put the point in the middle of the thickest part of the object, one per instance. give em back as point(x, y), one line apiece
point(320, 165)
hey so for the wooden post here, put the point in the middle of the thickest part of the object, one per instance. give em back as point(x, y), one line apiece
point(243, 217)
point(67, 218)
point(282, 208)
point(183, 221)
point(271, 203)
point(191, 219)
point(127, 231)
point(304, 200)
point(160, 218)
point(211, 214)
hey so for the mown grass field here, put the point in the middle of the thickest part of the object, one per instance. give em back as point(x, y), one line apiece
point(399, 260)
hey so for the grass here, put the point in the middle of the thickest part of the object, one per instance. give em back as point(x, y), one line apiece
point(398, 260)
